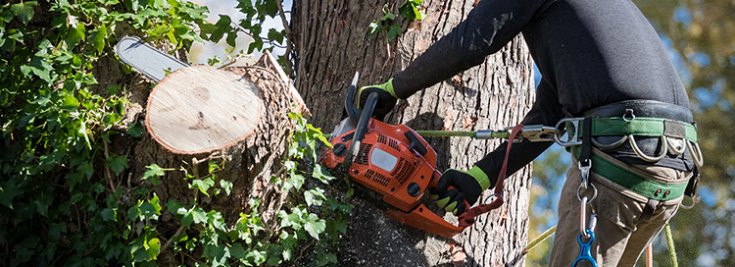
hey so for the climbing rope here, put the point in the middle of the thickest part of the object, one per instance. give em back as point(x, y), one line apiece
point(670, 243)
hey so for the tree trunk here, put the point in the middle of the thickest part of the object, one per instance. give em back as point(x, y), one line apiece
point(332, 42)
point(250, 163)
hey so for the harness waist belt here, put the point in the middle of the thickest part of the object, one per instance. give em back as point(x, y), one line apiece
point(649, 127)
point(622, 174)
point(643, 108)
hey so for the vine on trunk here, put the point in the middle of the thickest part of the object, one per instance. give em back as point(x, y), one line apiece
point(67, 198)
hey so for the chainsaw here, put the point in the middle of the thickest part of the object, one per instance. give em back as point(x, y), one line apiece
point(392, 163)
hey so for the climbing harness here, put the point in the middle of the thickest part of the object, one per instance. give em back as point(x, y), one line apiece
point(586, 228)
point(675, 137)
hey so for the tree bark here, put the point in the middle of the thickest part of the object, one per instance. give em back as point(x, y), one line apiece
point(332, 42)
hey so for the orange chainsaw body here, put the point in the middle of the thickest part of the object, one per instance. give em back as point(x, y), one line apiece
point(398, 165)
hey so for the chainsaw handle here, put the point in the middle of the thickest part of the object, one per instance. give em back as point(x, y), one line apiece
point(362, 122)
point(435, 182)
point(352, 111)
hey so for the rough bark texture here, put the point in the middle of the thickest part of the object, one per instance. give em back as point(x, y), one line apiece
point(332, 42)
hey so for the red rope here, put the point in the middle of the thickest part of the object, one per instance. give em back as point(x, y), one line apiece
point(468, 217)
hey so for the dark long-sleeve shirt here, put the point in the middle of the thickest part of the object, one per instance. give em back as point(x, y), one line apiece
point(590, 53)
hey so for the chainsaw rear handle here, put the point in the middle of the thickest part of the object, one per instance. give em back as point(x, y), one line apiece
point(350, 107)
point(362, 122)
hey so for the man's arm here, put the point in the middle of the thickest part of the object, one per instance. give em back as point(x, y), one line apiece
point(488, 27)
point(545, 111)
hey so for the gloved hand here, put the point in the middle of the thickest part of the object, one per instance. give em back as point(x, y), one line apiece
point(468, 186)
point(386, 98)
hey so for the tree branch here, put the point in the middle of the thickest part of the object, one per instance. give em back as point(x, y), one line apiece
point(286, 29)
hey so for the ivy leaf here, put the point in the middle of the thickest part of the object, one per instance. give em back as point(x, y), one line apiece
point(270, 8)
point(24, 11)
point(187, 219)
point(222, 26)
point(133, 213)
point(108, 215)
point(83, 133)
point(226, 185)
point(75, 35)
point(388, 16)
point(136, 131)
point(118, 164)
point(394, 31)
point(153, 247)
point(237, 251)
point(202, 185)
point(297, 180)
point(374, 27)
point(98, 38)
point(314, 226)
point(8, 191)
point(275, 35)
point(257, 44)
point(410, 10)
point(70, 102)
point(199, 215)
point(322, 174)
point(39, 67)
point(314, 197)
point(152, 172)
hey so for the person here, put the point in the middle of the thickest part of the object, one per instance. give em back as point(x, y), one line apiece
point(600, 60)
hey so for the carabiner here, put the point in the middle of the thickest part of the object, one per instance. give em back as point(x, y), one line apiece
point(573, 137)
point(584, 249)
point(539, 133)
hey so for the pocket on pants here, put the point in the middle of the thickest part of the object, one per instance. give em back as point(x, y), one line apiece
point(617, 208)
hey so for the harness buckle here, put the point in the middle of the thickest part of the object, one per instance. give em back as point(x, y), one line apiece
point(571, 126)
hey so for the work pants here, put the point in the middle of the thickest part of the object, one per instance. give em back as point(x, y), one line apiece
point(622, 231)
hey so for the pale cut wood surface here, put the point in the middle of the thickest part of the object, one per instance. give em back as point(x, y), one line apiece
point(201, 109)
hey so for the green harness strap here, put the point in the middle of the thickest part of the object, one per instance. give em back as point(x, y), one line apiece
point(618, 173)
point(642, 126)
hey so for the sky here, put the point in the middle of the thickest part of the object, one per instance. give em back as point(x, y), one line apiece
point(200, 53)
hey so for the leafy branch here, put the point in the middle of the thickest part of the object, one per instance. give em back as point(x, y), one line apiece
point(388, 21)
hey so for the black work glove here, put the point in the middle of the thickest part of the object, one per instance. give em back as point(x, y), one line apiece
point(386, 98)
point(467, 186)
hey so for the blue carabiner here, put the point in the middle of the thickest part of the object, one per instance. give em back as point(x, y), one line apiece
point(584, 249)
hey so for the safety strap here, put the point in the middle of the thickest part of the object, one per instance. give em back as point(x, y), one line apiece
point(467, 218)
point(649, 209)
point(586, 153)
point(642, 126)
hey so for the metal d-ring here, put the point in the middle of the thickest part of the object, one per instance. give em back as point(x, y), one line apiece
point(594, 192)
point(676, 150)
point(695, 199)
point(610, 145)
point(643, 156)
point(628, 116)
point(572, 134)
point(696, 153)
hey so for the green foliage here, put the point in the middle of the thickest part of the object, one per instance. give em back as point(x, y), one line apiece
point(255, 13)
point(61, 202)
point(63, 195)
point(388, 23)
point(254, 239)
